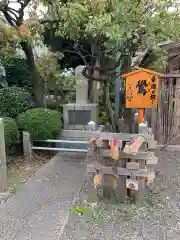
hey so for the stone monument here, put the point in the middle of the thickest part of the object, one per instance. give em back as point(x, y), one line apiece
point(81, 86)
point(78, 115)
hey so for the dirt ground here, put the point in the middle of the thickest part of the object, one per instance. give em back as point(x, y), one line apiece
point(19, 171)
point(158, 218)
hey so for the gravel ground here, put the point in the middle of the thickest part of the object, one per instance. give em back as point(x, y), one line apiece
point(158, 218)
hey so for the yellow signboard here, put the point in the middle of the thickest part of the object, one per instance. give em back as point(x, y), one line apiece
point(141, 88)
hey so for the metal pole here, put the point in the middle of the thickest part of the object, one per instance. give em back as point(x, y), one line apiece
point(117, 97)
point(140, 115)
point(117, 90)
point(60, 149)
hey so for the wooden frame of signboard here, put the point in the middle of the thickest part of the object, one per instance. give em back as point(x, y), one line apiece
point(142, 90)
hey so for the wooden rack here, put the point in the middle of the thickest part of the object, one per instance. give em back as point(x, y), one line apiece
point(129, 174)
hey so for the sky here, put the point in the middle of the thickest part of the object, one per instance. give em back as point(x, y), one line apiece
point(26, 15)
point(42, 9)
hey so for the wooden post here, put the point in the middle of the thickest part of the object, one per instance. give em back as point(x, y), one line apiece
point(135, 123)
point(122, 182)
point(143, 129)
point(92, 195)
point(140, 115)
point(154, 120)
point(141, 191)
point(3, 170)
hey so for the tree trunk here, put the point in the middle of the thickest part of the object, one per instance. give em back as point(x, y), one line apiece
point(38, 91)
point(107, 105)
point(95, 84)
point(90, 86)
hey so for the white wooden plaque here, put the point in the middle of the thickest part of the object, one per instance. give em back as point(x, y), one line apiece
point(132, 184)
point(133, 147)
point(152, 161)
point(150, 178)
point(132, 165)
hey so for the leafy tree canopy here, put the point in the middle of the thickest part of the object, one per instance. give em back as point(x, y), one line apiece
point(116, 30)
point(111, 26)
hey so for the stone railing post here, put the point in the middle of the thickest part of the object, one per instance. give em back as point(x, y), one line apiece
point(3, 169)
point(27, 147)
point(143, 128)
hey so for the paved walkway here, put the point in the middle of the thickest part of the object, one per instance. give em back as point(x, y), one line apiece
point(40, 210)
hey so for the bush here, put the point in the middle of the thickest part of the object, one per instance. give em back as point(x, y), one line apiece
point(17, 71)
point(40, 123)
point(103, 118)
point(11, 132)
point(13, 101)
point(51, 104)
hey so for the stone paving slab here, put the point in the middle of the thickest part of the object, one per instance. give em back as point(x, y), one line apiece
point(40, 210)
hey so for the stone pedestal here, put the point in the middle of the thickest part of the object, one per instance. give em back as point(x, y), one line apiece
point(27, 148)
point(78, 115)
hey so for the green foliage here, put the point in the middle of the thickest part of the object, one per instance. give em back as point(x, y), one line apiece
point(103, 118)
point(123, 26)
point(11, 132)
point(41, 123)
point(13, 101)
point(81, 210)
point(47, 67)
point(50, 72)
point(17, 72)
point(55, 81)
point(9, 39)
point(90, 212)
point(51, 104)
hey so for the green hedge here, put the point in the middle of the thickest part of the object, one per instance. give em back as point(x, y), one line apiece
point(13, 101)
point(41, 123)
point(17, 71)
point(11, 132)
point(51, 104)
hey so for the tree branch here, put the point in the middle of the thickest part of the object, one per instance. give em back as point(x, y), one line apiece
point(82, 57)
point(12, 12)
point(43, 21)
point(6, 10)
point(10, 19)
point(92, 78)
point(84, 50)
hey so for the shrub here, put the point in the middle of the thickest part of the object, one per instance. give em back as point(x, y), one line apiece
point(17, 71)
point(13, 101)
point(51, 104)
point(40, 123)
point(103, 118)
point(11, 132)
